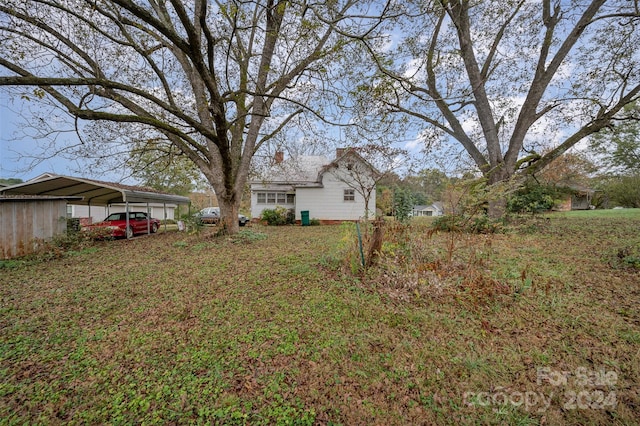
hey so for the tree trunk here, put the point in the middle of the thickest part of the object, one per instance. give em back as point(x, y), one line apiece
point(497, 207)
point(228, 216)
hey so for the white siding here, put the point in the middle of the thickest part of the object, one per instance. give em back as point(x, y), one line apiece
point(257, 208)
point(327, 203)
point(98, 213)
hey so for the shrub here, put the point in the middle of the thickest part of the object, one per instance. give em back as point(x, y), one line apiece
point(447, 223)
point(193, 224)
point(477, 224)
point(278, 216)
point(291, 217)
point(627, 257)
point(533, 198)
point(402, 204)
point(482, 224)
point(273, 217)
point(622, 190)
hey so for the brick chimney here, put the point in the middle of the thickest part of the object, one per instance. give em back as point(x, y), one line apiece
point(279, 157)
point(340, 152)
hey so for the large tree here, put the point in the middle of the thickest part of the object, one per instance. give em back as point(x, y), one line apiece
point(505, 78)
point(161, 166)
point(618, 146)
point(215, 78)
point(618, 149)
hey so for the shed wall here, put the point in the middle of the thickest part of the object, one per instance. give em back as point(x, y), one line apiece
point(23, 222)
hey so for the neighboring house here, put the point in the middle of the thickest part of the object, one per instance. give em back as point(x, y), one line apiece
point(576, 197)
point(435, 209)
point(330, 190)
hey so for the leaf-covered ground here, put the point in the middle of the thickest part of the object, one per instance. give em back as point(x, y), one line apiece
point(539, 325)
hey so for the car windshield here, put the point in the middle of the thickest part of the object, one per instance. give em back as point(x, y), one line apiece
point(209, 210)
point(116, 216)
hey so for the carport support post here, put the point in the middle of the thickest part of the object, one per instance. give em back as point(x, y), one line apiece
point(126, 216)
point(164, 210)
point(148, 219)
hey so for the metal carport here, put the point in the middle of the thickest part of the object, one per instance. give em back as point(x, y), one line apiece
point(93, 192)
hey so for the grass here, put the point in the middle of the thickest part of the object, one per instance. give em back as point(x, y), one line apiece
point(602, 213)
point(271, 327)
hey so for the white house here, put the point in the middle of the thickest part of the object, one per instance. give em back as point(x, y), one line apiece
point(435, 209)
point(330, 190)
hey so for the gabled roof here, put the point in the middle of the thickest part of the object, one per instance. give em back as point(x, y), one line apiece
point(436, 206)
point(346, 154)
point(93, 192)
point(308, 170)
point(300, 170)
point(576, 187)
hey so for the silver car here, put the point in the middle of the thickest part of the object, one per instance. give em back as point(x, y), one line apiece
point(212, 215)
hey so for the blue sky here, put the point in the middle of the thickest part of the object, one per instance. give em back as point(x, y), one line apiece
point(19, 152)
point(14, 146)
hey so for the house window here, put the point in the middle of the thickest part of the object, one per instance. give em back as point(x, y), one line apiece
point(275, 198)
point(349, 195)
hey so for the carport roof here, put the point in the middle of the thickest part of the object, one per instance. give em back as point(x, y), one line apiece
point(93, 192)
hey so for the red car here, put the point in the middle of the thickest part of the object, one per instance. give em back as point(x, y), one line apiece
point(115, 225)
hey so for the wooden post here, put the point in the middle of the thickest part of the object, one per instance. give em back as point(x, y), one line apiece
point(376, 242)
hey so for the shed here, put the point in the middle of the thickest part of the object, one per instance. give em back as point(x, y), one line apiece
point(26, 220)
point(575, 197)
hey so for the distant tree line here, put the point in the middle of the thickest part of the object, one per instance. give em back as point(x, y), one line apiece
point(10, 181)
